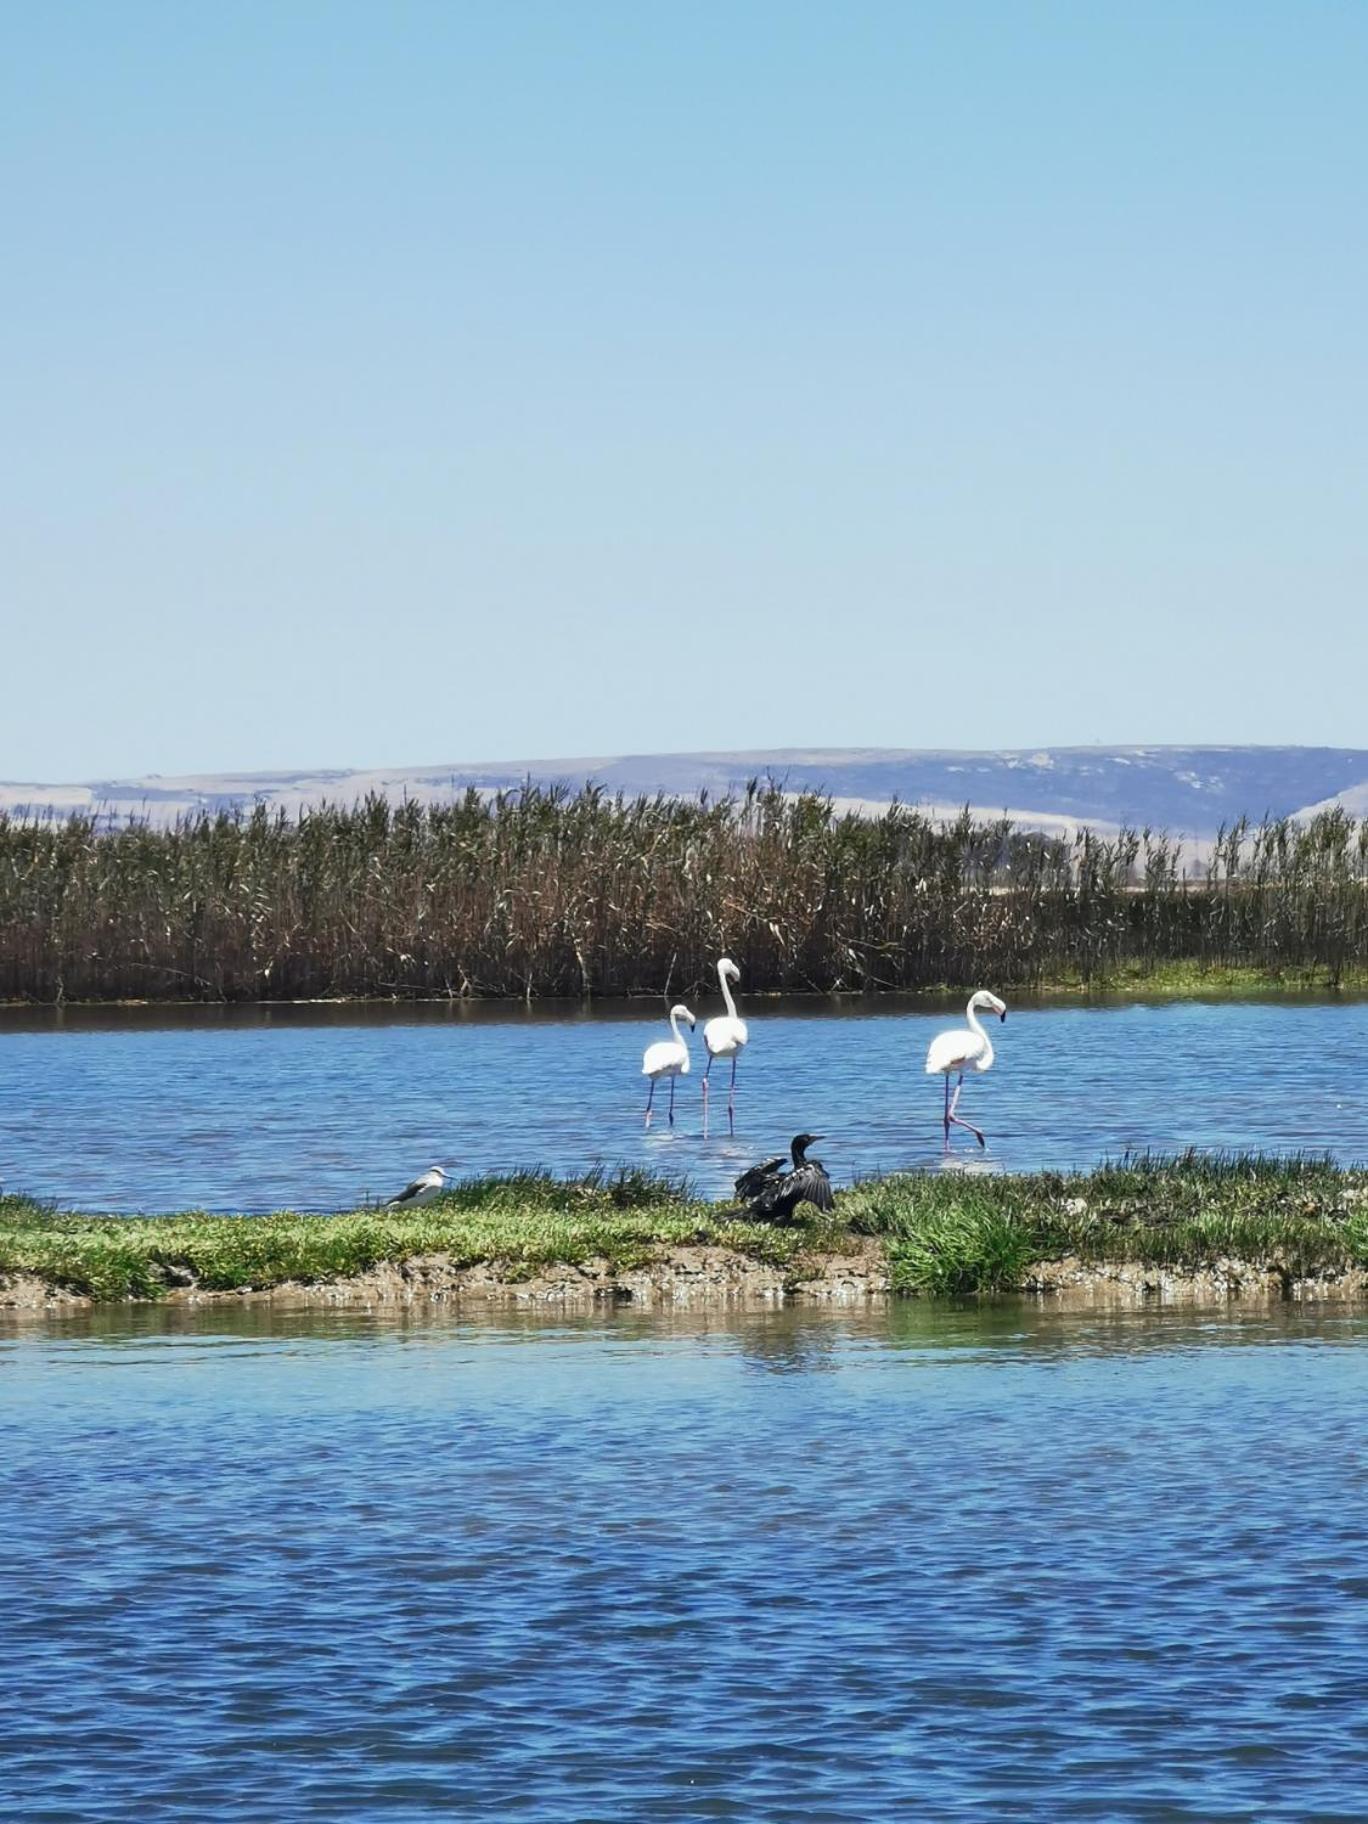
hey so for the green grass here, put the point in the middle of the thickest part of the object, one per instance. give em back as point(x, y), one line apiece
point(944, 1234)
point(1182, 978)
point(516, 1223)
point(977, 1234)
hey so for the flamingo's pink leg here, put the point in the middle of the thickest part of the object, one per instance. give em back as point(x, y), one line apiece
point(650, 1098)
point(959, 1120)
point(947, 1111)
point(731, 1099)
point(672, 1084)
point(706, 1068)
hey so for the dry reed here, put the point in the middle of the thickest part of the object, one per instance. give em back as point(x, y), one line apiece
point(546, 893)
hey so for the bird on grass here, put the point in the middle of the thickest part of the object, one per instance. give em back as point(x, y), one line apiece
point(422, 1190)
point(724, 1037)
point(670, 1058)
point(774, 1194)
point(963, 1048)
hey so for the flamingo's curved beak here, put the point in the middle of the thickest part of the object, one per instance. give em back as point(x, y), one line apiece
point(1003, 1016)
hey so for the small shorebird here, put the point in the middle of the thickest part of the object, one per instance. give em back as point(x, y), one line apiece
point(422, 1190)
point(963, 1048)
point(724, 1037)
point(774, 1193)
point(670, 1058)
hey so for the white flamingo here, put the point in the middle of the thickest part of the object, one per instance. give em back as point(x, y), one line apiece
point(963, 1048)
point(724, 1037)
point(670, 1058)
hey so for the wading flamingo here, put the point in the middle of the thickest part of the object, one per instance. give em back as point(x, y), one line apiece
point(963, 1048)
point(724, 1037)
point(422, 1190)
point(670, 1058)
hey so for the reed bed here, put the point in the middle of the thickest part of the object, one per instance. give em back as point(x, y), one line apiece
point(942, 1234)
point(552, 893)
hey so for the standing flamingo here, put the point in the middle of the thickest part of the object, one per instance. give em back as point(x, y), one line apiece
point(670, 1058)
point(724, 1037)
point(963, 1048)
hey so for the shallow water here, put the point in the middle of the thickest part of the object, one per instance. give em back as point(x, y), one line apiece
point(321, 1108)
point(926, 1563)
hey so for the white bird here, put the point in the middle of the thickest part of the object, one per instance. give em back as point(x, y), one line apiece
point(670, 1058)
point(422, 1190)
point(724, 1037)
point(963, 1048)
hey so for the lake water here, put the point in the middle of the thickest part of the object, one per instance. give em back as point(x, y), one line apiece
point(320, 1108)
point(924, 1563)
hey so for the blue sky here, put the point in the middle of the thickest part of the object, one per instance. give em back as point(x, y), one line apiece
point(417, 382)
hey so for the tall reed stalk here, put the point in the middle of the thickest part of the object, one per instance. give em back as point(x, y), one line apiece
point(546, 892)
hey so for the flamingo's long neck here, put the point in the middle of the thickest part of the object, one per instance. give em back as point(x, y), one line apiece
point(726, 991)
point(979, 1033)
point(674, 1025)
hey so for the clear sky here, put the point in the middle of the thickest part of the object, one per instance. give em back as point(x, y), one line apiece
point(399, 382)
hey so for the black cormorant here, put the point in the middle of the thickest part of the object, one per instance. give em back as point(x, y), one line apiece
point(774, 1194)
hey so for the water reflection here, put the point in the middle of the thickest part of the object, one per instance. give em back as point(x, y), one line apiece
point(788, 1337)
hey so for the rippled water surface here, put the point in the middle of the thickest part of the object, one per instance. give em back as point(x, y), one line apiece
point(919, 1564)
point(321, 1108)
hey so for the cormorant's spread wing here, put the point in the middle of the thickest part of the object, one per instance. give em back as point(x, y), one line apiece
point(805, 1184)
point(758, 1178)
point(815, 1186)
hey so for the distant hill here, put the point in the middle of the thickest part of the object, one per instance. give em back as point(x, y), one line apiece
point(1189, 791)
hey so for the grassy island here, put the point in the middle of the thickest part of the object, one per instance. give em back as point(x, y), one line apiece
point(1278, 1226)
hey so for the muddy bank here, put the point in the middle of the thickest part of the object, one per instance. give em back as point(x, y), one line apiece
point(694, 1277)
point(1076, 1282)
point(681, 1277)
point(676, 1276)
